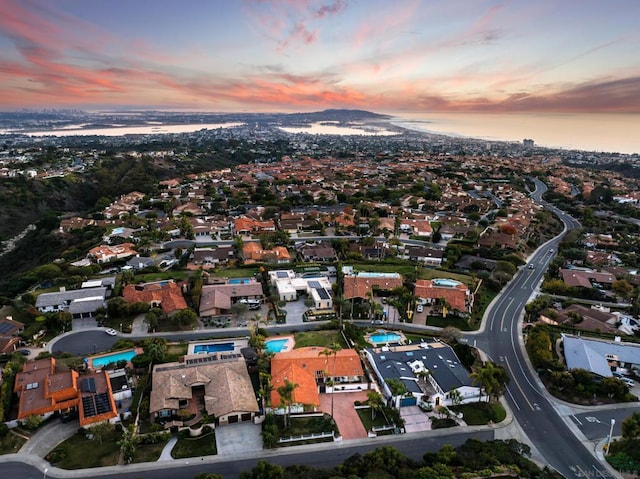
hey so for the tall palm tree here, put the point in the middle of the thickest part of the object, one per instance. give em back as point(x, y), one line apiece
point(484, 377)
point(286, 396)
point(331, 351)
point(375, 403)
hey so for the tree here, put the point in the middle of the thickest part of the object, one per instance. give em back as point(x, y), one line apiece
point(264, 470)
point(622, 288)
point(128, 443)
point(455, 397)
point(286, 396)
point(493, 379)
point(101, 430)
point(156, 349)
point(186, 317)
point(332, 351)
point(374, 399)
point(631, 426)
point(450, 334)
point(239, 310)
point(208, 475)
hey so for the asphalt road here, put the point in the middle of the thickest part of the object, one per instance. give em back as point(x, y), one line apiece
point(501, 340)
point(320, 456)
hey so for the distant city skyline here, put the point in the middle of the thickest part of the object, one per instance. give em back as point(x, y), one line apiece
point(303, 55)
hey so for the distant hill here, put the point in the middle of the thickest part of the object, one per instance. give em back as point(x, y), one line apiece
point(336, 115)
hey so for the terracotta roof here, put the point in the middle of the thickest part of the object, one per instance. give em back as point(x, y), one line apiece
point(300, 367)
point(583, 278)
point(167, 293)
point(358, 287)
point(455, 296)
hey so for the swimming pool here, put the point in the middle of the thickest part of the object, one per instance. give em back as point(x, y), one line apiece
point(369, 274)
point(275, 345)
point(446, 282)
point(213, 348)
point(384, 338)
point(239, 280)
point(101, 361)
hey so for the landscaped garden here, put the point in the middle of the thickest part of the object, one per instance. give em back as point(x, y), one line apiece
point(72, 453)
point(480, 413)
point(187, 446)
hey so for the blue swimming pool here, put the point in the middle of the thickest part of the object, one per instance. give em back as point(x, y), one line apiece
point(113, 358)
point(384, 338)
point(275, 345)
point(446, 282)
point(213, 348)
point(239, 281)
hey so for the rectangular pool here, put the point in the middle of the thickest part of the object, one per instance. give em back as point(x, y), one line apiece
point(100, 361)
point(213, 348)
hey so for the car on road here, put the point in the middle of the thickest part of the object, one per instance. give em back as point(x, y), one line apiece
point(111, 332)
point(531, 266)
point(628, 382)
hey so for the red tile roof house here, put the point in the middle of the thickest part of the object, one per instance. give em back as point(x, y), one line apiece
point(252, 252)
point(456, 294)
point(313, 372)
point(358, 285)
point(9, 331)
point(586, 279)
point(105, 253)
point(43, 389)
point(162, 294)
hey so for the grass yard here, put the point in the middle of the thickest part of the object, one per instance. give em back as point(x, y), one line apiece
point(322, 339)
point(163, 275)
point(476, 414)
point(148, 452)
point(195, 446)
point(72, 453)
point(175, 350)
point(11, 443)
point(459, 323)
point(367, 422)
point(235, 272)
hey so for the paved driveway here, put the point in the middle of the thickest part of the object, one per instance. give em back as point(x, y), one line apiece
point(345, 413)
point(414, 419)
point(240, 437)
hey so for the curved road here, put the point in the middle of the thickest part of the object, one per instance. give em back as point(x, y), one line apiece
point(501, 339)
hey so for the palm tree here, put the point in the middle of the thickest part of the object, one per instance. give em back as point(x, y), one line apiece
point(331, 351)
point(486, 377)
point(286, 396)
point(375, 403)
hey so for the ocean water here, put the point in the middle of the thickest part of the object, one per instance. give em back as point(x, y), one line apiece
point(598, 132)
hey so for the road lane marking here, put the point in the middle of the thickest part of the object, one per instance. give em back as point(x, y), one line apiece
point(505, 314)
point(576, 419)
point(524, 396)
point(515, 403)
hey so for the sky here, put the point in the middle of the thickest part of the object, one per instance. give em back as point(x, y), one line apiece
point(545, 56)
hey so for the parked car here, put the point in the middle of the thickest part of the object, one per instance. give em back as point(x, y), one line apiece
point(111, 332)
point(24, 352)
point(629, 382)
point(419, 308)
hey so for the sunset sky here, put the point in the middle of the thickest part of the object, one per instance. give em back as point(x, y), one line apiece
point(302, 55)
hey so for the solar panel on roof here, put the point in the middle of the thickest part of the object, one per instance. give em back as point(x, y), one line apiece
point(282, 274)
point(88, 406)
point(323, 293)
point(315, 284)
point(5, 328)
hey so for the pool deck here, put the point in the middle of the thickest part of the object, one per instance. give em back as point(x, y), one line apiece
point(288, 346)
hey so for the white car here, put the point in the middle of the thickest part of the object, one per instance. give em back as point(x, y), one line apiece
point(629, 382)
point(111, 332)
point(419, 308)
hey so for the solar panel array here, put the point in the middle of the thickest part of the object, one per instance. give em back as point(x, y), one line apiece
point(315, 284)
point(88, 406)
point(323, 293)
point(282, 274)
point(5, 327)
point(102, 403)
point(88, 385)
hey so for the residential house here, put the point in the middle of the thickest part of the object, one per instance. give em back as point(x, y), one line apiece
point(43, 388)
point(9, 335)
point(430, 371)
point(212, 256)
point(105, 253)
point(80, 303)
point(582, 317)
point(217, 299)
point(455, 294)
point(600, 356)
point(322, 252)
point(165, 294)
point(138, 263)
point(316, 373)
point(219, 382)
point(252, 252)
point(424, 255)
point(361, 284)
point(587, 279)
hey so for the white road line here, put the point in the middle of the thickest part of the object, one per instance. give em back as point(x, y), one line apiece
point(576, 419)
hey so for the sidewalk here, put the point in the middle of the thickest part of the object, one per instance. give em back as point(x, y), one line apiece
point(166, 452)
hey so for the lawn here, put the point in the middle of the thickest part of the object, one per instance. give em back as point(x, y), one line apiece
point(195, 446)
point(163, 275)
point(439, 321)
point(72, 453)
point(175, 350)
point(148, 452)
point(322, 339)
point(476, 414)
point(11, 443)
point(367, 422)
point(235, 272)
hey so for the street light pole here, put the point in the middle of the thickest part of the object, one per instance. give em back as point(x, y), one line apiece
point(44, 473)
point(613, 421)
